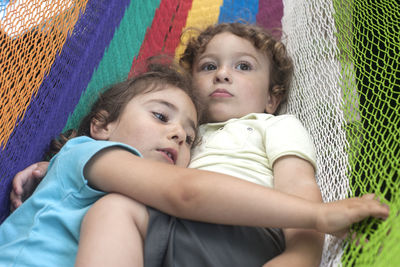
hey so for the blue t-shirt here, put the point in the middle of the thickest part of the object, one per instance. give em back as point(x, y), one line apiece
point(44, 231)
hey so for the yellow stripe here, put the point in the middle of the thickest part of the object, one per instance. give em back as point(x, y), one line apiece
point(202, 14)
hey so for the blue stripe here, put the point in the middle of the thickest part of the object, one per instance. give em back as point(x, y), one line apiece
point(238, 11)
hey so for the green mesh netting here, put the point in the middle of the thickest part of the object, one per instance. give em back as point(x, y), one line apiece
point(369, 41)
point(346, 92)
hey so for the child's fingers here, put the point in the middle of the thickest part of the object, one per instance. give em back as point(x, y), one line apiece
point(378, 209)
point(37, 173)
point(368, 196)
point(16, 192)
point(15, 201)
point(41, 169)
point(341, 214)
point(23, 181)
point(17, 184)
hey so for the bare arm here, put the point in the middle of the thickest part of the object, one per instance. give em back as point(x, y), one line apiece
point(218, 198)
point(295, 176)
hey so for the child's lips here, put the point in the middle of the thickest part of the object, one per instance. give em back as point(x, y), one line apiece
point(169, 155)
point(221, 93)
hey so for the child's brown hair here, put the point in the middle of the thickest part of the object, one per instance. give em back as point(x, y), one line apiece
point(281, 70)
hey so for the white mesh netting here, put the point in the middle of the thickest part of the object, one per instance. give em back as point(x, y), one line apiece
point(316, 97)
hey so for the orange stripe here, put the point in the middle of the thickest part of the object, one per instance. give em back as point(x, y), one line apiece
point(30, 38)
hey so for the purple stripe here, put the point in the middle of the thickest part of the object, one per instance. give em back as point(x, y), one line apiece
point(60, 91)
point(269, 15)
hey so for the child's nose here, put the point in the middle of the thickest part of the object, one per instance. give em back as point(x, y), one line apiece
point(223, 75)
point(178, 134)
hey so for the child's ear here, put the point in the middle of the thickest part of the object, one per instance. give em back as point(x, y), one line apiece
point(273, 100)
point(99, 130)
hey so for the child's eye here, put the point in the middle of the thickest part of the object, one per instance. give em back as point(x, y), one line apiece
point(243, 66)
point(160, 116)
point(208, 67)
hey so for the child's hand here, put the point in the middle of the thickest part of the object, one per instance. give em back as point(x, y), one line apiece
point(25, 182)
point(336, 217)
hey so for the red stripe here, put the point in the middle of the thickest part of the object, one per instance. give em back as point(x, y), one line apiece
point(164, 34)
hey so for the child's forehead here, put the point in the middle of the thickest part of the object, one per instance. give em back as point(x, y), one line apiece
point(228, 38)
point(164, 89)
point(230, 43)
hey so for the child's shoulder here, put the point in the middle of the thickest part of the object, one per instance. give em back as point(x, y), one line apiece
point(87, 143)
point(76, 142)
point(73, 147)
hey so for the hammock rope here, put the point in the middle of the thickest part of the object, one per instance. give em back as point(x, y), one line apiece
point(56, 55)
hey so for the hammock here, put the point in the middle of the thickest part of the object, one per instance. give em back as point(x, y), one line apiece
point(55, 55)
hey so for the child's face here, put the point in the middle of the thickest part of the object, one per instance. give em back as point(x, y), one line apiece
point(160, 124)
point(233, 78)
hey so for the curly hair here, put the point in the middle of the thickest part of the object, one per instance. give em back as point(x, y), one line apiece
point(112, 101)
point(281, 70)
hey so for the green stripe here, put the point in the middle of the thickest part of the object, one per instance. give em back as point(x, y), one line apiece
point(118, 57)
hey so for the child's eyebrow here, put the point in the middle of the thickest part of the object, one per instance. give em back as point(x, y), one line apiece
point(246, 54)
point(164, 103)
point(174, 108)
point(237, 54)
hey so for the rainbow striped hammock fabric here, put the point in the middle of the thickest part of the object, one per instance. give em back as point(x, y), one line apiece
point(56, 55)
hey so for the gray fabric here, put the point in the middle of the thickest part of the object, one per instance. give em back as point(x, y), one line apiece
point(173, 242)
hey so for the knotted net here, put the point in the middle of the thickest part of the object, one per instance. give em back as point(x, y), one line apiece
point(56, 54)
point(346, 91)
